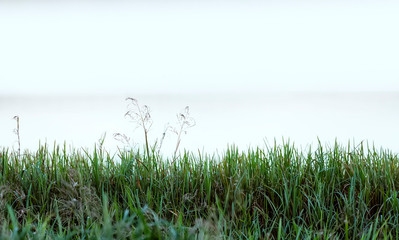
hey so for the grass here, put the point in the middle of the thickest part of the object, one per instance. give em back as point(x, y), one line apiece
point(275, 192)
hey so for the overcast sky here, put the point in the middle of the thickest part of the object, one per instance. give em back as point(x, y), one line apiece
point(224, 46)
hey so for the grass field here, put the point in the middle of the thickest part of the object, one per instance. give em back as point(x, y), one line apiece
point(276, 192)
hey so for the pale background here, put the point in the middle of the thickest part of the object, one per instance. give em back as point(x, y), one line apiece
point(251, 71)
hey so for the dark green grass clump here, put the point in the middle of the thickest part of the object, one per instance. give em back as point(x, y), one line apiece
point(272, 193)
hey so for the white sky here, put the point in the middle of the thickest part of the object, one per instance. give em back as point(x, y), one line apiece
point(120, 47)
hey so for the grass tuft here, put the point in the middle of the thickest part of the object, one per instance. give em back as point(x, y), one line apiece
point(276, 192)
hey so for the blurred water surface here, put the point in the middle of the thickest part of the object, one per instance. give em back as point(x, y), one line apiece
point(246, 120)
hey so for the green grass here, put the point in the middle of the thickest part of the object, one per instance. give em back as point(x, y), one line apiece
point(275, 192)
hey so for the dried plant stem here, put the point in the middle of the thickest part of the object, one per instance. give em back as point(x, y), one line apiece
point(178, 142)
point(142, 117)
point(16, 131)
point(145, 118)
point(185, 122)
point(146, 143)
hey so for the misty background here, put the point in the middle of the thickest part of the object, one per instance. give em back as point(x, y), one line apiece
point(250, 71)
